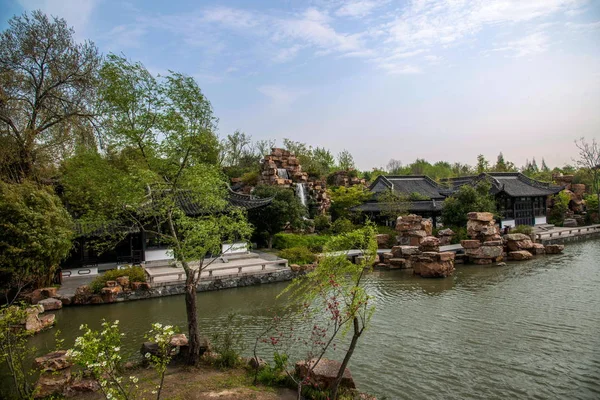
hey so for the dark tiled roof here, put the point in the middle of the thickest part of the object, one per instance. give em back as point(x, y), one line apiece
point(415, 206)
point(514, 184)
point(192, 208)
point(408, 184)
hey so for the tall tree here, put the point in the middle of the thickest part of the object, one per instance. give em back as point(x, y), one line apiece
point(482, 164)
point(345, 160)
point(180, 172)
point(468, 199)
point(589, 159)
point(35, 235)
point(285, 209)
point(46, 79)
point(234, 147)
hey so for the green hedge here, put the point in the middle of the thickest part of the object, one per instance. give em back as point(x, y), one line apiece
point(135, 274)
point(298, 255)
point(314, 243)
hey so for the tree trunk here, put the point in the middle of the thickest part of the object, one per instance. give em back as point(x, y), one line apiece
point(270, 242)
point(192, 318)
point(340, 375)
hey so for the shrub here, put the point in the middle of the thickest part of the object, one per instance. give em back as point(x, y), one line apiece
point(135, 274)
point(228, 343)
point(250, 178)
point(322, 223)
point(298, 255)
point(460, 234)
point(525, 229)
point(342, 225)
point(560, 206)
point(274, 375)
point(315, 243)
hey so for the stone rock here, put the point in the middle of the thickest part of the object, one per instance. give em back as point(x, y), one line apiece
point(123, 281)
point(435, 269)
point(324, 373)
point(48, 292)
point(409, 250)
point(96, 299)
point(459, 258)
point(520, 255)
point(446, 232)
point(490, 252)
point(470, 244)
point(382, 240)
point(518, 241)
point(493, 243)
point(256, 363)
point(480, 216)
point(179, 340)
point(149, 347)
point(554, 248)
point(51, 304)
point(430, 243)
point(54, 361)
point(482, 261)
point(111, 283)
point(388, 256)
point(501, 264)
point(397, 263)
point(538, 249)
point(52, 383)
point(136, 285)
point(109, 294)
point(83, 290)
point(570, 223)
point(81, 385)
point(35, 296)
point(447, 256)
point(34, 323)
point(381, 266)
point(66, 300)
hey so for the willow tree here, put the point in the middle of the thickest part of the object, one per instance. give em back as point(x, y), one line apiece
point(156, 170)
point(47, 87)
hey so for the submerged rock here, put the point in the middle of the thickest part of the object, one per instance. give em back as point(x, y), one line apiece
point(554, 248)
point(324, 373)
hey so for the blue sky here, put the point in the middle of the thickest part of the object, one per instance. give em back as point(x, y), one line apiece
point(441, 80)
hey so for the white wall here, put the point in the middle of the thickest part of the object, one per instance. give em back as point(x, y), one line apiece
point(540, 220)
point(508, 222)
point(158, 254)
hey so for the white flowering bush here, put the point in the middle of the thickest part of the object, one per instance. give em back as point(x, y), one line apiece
point(161, 335)
point(98, 352)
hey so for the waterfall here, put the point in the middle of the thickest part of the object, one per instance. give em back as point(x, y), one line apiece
point(301, 193)
point(283, 173)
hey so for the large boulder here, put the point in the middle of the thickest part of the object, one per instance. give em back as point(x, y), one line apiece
point(382, 241)
point(480, 216)
point(430, 243)
point(52, 383)
point(324, 373)
point(518, 241)
point(80, 385)
point(489, 252)
point(433, 265)
point(51, 304)
point(470, 244)
point(538, 249)
point(520, 255)
point(54, 361)
point(397, 263)
point(33, 322)
point(554, 248)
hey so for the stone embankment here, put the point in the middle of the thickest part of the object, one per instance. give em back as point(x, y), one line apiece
point(123, 290)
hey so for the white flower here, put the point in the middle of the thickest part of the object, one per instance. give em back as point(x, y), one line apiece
point(147, 355)
point(116, 349)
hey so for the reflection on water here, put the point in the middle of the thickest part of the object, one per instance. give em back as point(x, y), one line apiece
point(526, 330)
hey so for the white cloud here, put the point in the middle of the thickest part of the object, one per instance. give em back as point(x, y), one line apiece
point(280, 95)
point(76, 12)
point(399, 69)
point(358, 8)
point(529, 45)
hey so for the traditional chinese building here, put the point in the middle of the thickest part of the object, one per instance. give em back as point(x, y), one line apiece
point(520, 200)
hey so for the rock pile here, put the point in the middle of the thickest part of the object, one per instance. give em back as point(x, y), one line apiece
point(281, 168)
point(485, 246)
point(412, 229)
point(343, 178)
point(109, 293)
point(445, 236)
point(317, 191)
point(34, 322)
point(56, 378)
point(427, 264)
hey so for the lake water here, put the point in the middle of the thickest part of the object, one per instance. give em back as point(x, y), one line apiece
point(527, 330)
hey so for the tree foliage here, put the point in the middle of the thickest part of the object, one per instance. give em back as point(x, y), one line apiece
point(589, 160)
point(47, 86)
point(343, 198)
point(35, 233)
point(284, 209)
point(468, 199)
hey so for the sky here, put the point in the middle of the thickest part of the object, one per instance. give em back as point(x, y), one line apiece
point(434, 79)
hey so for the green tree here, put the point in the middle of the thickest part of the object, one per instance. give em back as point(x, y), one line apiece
point(589, 160)
point(343, 198)
point(284, 209)
point(336, 273)
point(468, 199)
point(47, 79)
point(179, 170)
point(392, 204)
point(560, 205)
point(36, 233)
point(345, 160)
point(482, 164)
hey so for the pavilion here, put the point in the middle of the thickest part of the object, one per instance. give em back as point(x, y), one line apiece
point(520, 200)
